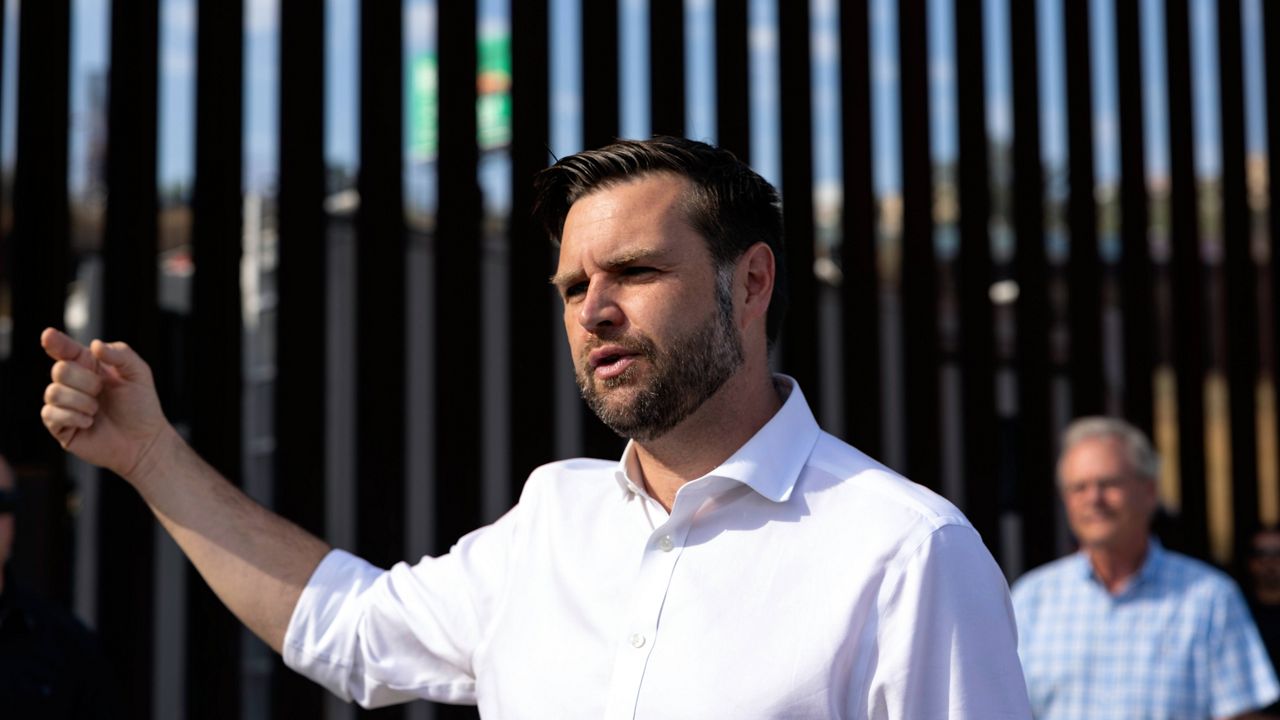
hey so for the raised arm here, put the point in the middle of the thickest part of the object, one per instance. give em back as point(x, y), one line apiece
point(102, 407)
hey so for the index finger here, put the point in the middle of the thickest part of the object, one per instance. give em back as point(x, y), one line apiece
point(59, 346)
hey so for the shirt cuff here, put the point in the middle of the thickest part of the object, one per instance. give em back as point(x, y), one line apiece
point(321, 640)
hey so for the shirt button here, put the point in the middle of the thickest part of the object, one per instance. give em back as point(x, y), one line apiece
point(666, 544)
point(637, 640)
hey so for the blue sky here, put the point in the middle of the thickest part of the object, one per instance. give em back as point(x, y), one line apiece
point(177, 54)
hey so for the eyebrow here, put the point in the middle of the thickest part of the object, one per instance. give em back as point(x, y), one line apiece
point(614, 263)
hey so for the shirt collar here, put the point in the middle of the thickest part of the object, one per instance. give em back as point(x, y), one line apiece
point(770, 462)
point(1149, 569)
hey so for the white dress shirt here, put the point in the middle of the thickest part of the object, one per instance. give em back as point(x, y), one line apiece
point(799, 579)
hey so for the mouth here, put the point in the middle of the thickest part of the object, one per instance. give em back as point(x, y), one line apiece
point(610, 361)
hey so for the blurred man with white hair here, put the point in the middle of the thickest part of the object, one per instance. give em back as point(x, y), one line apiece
point(1125, 628)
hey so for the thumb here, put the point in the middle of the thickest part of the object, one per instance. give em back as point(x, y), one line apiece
point(121, 357)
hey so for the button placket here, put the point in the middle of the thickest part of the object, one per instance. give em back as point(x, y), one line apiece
point(640, 635)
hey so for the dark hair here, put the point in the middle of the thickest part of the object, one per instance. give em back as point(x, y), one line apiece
point(731, 206)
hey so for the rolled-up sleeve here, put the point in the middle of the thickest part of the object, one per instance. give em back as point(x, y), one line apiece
point(382, 637)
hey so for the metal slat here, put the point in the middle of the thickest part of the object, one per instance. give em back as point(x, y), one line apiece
point(126, 528)
point(599, 72)
point(1241, 281)
point(457, 263)
point(733, 109)
point(39, 254)
point(1271, 59)
point(666, 67)
point(301, 325)
point(918, 287)
point(1084, 269)
point(1035, 487)
point(799, 338)
point(860, 288)
point(533, 304)
point(1137, 297)
point(975, 272)
point(1188, 294)
point(213, 634)
point(380, 294)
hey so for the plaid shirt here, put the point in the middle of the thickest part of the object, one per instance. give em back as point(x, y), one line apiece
point(1177, 642)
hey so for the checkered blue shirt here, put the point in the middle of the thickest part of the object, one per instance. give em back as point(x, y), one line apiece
point(1177, 642)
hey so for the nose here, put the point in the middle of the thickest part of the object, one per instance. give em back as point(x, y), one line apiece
point(599, 310)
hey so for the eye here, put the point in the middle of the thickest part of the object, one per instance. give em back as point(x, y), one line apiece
point(638, 271)
point(574, 290)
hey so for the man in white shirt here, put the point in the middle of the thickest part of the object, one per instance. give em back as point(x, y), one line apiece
point(737, 562)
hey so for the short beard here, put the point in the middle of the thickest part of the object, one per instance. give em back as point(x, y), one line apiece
point(683, 376)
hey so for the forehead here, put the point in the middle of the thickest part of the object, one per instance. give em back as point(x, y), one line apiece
point(648, 210)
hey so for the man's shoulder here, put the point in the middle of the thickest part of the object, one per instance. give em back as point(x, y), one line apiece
point(874, 502)
point(865, 481)
point(1193, 575)
point(580, 467)
point(576, 477)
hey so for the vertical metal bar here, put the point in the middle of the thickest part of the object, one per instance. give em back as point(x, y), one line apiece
point(1031, 268)
point(380, 295)
point(457, 263)
point(301, 363)
point(213, 634)
point(733, 110)
point(1188, 295)
point(130, 245)
point(380, 289)
point(599, 72)
point(976, 332)
point(532, 258)
point(1137, 299)
point(1271, 60)
point(666, 67)
point(599, 127)
point(39, 258)
point(800, 332)
point(860, 296)
point(1084, 270)
point(381, 312)
point(1241, 281)
point(918, 285)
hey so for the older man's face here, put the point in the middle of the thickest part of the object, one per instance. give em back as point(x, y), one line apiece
point(1109, 505)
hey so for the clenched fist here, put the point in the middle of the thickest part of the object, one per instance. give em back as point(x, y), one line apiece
point(102, 404)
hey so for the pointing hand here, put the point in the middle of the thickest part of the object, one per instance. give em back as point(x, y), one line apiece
point(102, 404)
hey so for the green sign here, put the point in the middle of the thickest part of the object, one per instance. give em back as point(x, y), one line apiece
point(424, 108)
point(493, 98)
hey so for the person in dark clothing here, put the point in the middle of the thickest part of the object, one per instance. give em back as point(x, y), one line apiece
point(50, 664)
point(1264, 598)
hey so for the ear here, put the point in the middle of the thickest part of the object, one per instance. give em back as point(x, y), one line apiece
point(754, 283)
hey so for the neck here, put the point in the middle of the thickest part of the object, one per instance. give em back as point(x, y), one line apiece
point(724, 423)
point(1116, 564)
